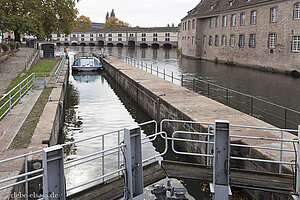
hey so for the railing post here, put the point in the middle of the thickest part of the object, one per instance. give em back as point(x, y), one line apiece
point(103, 169)
point(9, 96)
point(172, 77)
point(182, 80)
point(146, 67)
point(208, 90)
point(151, 69)
point(157, 70)
point(193, 85)
point(298, 164)
point(118, 152)
point(54, 185)
point(33, 80)
point(252, 106)
point(281, 147)
point(227, 97)
point(26, 177)
point(220, 186)
point(20, 88)
point(164, 74)
point(285, 118)
point(133, 162)
point(27, 83)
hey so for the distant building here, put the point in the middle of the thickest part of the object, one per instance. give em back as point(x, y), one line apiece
point(166, 37)
point(256, 33)
point(96, 25)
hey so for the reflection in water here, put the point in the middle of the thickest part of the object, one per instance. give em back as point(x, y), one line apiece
point(85, 76)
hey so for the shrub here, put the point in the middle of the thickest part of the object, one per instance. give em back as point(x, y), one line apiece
point(12, 46)
point(4, 47)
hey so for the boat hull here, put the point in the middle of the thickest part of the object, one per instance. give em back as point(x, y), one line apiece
point(86, 69)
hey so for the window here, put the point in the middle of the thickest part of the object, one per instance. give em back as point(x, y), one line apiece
point(66, 39)
point(167, 34)
point(211, 22)
point(210, 41)
point(273, 15)
point(253, 17)
point(131, 35)
point(212, 7)
point(82, 35)
point(193, 41)
point(143, 39)
point(242, 41)
point(167, 39)
point(184, 25)
point(296, 44)
point(154, 34)
point(155, 39)
point(119, 39)
point(297, 11)
point(100, 35)
point(230, 3)
point(232, 40)
point(109, 39)
point(243, 19)
point(252, 41)
point(110, 35)
point(91, 39)
point(204, 40)
point(119, 35)
point(73, 35)
point(224, 41)
point(216, 40)
point(91, 35)
point(272, 40)
point(82, 39)
point(224, 21)
point(217, 21)
point(233, 20)
point(143, 34)
point(189, 25)
point(193, 24)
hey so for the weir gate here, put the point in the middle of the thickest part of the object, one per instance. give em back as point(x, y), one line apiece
point(222, 163)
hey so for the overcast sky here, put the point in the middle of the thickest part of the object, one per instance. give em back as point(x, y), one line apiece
point(143, 13)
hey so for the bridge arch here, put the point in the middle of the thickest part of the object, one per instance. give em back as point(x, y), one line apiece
point(131, 43)
point(120, 45)
point(144, 45)
point(66, 44)
point(82, 44)
point(155, 46)
point(92, 44)
point(74, 43)
point(58, 44)
point(167, 46)
point(101, 43)
point(110, 44)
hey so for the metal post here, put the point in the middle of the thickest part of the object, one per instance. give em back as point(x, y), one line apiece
point(281, 146)
point(146, 67)
point(26, 177)
point(227, 97)
point(151, 69)
point(118, 152)
point(9, 96)
point(33, 80)
point(221, 174)
point(208, 146)
point(157, 70)
point(53, 177)
point(285, 118)
point(27, 83)
point(193, 84)
point(251, 106)
point(20, 88)
point(298, 164)
point(133, 160)
point(103, 171)
point(44, 80)
point(182, 80)
point(164, 74)
point(208, 90)
point(172, 77)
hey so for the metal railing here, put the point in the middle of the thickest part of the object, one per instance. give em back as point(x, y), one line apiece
point(14, 96)
point(187, 132)
point(254, 106)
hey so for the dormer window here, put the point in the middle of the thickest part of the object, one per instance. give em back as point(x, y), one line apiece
point(230, 3)
point(212, 7)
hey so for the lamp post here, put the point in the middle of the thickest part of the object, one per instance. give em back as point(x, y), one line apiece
point(2, 29)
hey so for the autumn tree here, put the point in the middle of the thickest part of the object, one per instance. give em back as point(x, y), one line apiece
point(83, 22)
point(38, 18)
point(114, 22)
point(107, 16)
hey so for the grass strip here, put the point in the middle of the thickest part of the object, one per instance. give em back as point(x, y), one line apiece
point(23, 137)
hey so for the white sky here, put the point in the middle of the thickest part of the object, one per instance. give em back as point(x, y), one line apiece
point(143, 13)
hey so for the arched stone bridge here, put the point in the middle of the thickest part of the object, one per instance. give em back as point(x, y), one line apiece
point(131, 37)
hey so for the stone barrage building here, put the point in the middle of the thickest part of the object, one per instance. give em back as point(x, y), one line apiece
point(256, 33)
point(143, 37)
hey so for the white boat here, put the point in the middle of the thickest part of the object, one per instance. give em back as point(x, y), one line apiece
point(85, 62)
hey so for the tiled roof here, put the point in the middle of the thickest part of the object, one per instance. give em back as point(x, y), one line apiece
point(127, 29)
point(212, 6)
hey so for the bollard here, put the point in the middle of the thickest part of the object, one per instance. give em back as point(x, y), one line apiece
point(172, 77)
point(182, 80)
point(157, 71)
point(164, 74)
point(151, 69)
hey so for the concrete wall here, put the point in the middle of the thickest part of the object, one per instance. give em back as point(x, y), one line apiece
point(281, 58)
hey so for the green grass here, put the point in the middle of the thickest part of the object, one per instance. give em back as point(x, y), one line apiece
point(23, 138)
point(43, 65)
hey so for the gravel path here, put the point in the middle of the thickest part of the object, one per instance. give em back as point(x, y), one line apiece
point(11, 66)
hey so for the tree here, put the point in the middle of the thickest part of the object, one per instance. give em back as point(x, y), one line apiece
point(113, 22)
point(172, 24)
point(38, 18)
point(107, 16)
point(168, 25)
point(112, 14)
point(83, 22)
